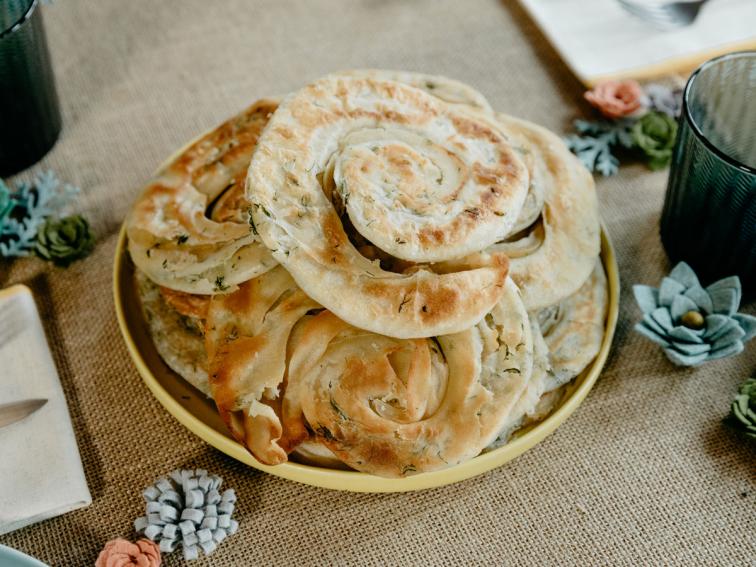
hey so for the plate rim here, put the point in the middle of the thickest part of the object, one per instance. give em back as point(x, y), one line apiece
point(354, 481)
point(23, 559)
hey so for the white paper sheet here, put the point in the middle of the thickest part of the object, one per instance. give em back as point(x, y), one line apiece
point(599, 39)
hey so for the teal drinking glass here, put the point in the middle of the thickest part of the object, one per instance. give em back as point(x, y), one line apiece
point(709, 215)
point(29, 113)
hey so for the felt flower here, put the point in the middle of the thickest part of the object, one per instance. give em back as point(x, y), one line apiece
point(615, 99)
point(25, 207)
point(187, 509)
point(122, 553)
point(63, 241)
point(694, 324)
point(664, 99)
point(655, 135)
point(743, 410)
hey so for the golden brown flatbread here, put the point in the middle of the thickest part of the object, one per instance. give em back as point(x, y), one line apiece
point(421, 179)
point(284, 371)
point(554, 255)
point(184, 239)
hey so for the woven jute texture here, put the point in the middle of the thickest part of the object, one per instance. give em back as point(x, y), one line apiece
point(643, 473)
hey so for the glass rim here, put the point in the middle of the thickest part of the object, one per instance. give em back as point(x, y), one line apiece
point(20, 21)
point(694, 125)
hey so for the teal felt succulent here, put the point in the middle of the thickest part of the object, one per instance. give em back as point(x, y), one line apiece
point(743, 410)
point(694, 324)
point(24, 209)
point(595, 143)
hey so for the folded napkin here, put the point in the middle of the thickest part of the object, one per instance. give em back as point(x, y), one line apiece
point(41, 475)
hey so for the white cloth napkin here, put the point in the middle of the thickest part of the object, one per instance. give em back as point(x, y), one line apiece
point(41, 475)
point(599, 39)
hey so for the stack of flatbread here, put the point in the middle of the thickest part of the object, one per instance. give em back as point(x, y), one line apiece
point(377, 272)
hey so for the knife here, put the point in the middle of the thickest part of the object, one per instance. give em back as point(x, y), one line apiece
point(11, 413)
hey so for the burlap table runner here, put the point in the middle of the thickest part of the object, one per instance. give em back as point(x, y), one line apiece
point(642, 474)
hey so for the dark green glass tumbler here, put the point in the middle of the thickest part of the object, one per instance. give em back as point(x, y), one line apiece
point(29, 113)
point(709, 216)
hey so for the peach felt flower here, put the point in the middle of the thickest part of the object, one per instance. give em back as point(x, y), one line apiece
point(616, 99)
point(122, 553)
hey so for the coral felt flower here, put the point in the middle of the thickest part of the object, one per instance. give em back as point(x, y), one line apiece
point(616, 99)
point(122, 553)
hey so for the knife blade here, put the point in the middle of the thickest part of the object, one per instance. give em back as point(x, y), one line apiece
point(13, 412)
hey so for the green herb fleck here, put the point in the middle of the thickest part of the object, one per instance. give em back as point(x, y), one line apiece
point(182, 238)
point(338, 410)
point(252, 222)
point(324, 432)
point(220, 284)
point(408, 469)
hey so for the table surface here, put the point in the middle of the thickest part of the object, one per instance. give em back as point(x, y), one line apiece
point(643, 473)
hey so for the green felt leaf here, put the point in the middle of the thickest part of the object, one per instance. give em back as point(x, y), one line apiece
point(747, 323)
point(648, 321)
point(662, 316)
point(652, 335)
point(714, 324)
point(684, 274)
point(681, 304)
point(668, 290)
point(724, 301)
point(691, 349)
point(729, 349)
point(687, 335)
point(684, 359)
point(729, 283)
point(647, 297)
point(702, 299)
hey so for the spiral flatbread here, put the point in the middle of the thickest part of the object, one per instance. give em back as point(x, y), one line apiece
point(418, 178)
point(184, 240)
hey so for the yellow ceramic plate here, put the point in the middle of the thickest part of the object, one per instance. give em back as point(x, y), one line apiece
point(198, 413)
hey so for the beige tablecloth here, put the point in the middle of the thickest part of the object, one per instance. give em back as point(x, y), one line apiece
point(642, 474)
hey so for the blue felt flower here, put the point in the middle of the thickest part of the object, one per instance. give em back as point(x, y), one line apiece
point(692, 323)
point(187, 509)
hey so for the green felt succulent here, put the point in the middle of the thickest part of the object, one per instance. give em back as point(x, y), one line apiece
point(63, 241)
point(25, 207)
point(743, 410)
point(694, 324)
point(654, 134)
